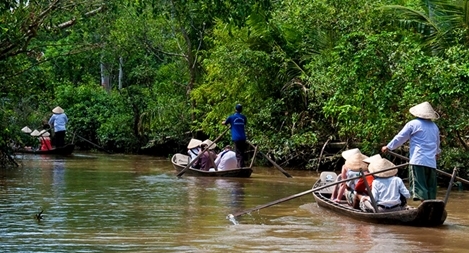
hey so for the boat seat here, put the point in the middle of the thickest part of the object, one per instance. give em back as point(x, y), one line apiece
point(181, 159)
point(328, 177)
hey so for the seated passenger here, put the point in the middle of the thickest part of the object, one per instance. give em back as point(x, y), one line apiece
point(353, 163)
point(360, 187)
point(226, 159)
point(44, 138)
point(387, 187)
point(193, 148)
point(206, 160)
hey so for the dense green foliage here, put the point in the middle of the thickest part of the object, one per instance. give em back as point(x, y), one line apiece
point(305, 71)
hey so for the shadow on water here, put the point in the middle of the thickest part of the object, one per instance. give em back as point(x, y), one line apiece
point(96, 202)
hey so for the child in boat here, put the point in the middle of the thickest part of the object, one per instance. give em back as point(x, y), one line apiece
point(387, 187)
point(360, 187)
point(353, 163)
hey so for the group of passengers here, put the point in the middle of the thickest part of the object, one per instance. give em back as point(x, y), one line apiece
point(209, 160)
point(385, 189)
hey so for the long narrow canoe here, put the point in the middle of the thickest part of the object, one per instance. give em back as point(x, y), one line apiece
point(180, 161)
point(429, 213)
point(65, 150)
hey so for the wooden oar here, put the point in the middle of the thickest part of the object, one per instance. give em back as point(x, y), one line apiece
point(271, 161)
point(438, 170)
point(200, 153)
point(96, 145)
point(455, 170)
point(230, 216)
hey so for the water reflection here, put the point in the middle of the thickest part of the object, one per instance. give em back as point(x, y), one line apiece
point(107, 203)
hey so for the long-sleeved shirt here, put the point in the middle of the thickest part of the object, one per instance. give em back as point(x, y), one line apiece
point(193, 152)
point(387, 191)
point(424, 141)
point(58, 121)
point(226, 160)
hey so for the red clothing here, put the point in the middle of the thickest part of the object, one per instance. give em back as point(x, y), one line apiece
point(360, 186)
point(45, 143)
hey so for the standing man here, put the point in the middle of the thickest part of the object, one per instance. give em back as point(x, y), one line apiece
point(237, 123)
point(424, 142)
point(59, 120)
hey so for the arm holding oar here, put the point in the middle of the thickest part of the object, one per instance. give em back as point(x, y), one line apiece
point(200, 153)
point(230, 216)
point(270, 160)
point(438, 170)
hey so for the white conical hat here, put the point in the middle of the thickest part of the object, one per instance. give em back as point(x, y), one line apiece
point(58, 110)
point(209, 142)
point(194, 143)
point(355, 162)
point(347, 153)
point(424, 111)
point(35, 133)
point(372, 158)
point(382, 164)
point(26, 130)
point(44, 133)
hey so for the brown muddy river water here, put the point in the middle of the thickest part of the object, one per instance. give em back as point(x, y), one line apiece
point(96, 202)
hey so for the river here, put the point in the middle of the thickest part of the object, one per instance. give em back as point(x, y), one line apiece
point(95, 202)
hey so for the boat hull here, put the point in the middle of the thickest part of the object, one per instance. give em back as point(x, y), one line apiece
point(180, 161)
point(429, 213)
point(65, 150)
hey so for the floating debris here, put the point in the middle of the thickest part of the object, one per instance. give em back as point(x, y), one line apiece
point(39, 215)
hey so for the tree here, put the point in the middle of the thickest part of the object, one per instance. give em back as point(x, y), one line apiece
point(441, 23)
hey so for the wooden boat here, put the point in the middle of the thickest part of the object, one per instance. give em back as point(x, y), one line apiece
point(65, 150)
point(180, 161)
point(428, 214)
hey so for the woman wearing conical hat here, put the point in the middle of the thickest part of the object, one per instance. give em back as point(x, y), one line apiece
point(59, 121)
point(424, 143)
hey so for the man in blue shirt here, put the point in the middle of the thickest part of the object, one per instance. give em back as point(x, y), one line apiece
point(424, 143)
point(237, 123)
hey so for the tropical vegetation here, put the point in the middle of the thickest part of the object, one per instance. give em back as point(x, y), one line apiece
point(138, 75)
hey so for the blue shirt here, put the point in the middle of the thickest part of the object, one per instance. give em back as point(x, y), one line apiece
point(424, 141)
point(387, 191)
point(237, 122)
point(58, 121)
point(350, 174)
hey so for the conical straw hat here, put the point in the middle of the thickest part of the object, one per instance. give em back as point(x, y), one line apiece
point(26, 130)
point(209, 142)
point(44, 133)
point(355, 162)
point(35, 133)
point(194, 143)
point(58, 110)
point(372, 158)
point(347, 153)
point(382, 164)
point(424, 111)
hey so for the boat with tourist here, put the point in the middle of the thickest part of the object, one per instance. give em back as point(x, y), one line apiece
point(429, 213)
point(180, 162)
